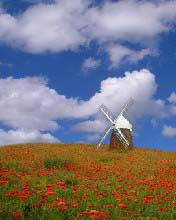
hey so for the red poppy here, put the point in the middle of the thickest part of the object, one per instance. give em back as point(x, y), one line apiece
point(35, 205)
point(122, 205)
point(17, 215)
point(3, 182)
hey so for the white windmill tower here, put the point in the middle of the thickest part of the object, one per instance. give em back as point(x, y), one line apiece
point(117, 125)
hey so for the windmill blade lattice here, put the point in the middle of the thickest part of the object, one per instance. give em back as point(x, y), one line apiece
point(106, 132)
point(127, 106)
point(107, 113)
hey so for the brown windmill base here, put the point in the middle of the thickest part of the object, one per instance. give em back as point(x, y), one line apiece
point(115, 142)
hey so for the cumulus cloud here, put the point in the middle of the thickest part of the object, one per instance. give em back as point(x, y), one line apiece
point(169, 131)
point(172, 100)
point(28, 104)
point(172, 97)
point(90, 63)
point(133, 20)
point(90, 126)
point(62, 25)
point(45, 27)
point(114, 92)
point(119, 54)
point(21, 136)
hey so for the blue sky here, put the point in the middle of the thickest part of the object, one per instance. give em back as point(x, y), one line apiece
point(60, 60)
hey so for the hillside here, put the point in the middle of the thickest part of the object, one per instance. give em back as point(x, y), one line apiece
point(67, 182)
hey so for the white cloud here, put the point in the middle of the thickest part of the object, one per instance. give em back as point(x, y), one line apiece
point(169, 131)
point(173, 109)
point(39, 1)
point(25, 103)
point(172, 97)
point(119, 54)
point(92, 137)
point(29, 105)
point(45, 27)
point(90, 126)
point(114, 92)
point(131, 20)
point(21, 136)
point(154, 122)
point(90, 63)
point(66, 25)
point(172, 100)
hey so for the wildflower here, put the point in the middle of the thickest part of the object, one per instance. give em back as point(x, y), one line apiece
point(147, 199)
point(93, 212)
point(132, 191)
point(85, 195)
point(3, 182)
point(52, 204)
point(61, 184)
point(44, 195)
point(50, 192)
point(61, 203)
point(129, 198)
point(135, 215)
point(122, 205)
point(42, 201)
point(79, 215)
point(17, 215)
point(86, 213)
point(9, 194)
point(163, 209)
point(62, 209)
point(22, 197)
point(102, 215)
point(35, 205)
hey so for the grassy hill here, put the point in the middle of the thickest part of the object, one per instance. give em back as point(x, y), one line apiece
point(72, 181)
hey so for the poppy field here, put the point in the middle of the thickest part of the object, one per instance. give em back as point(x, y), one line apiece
point(72, 181)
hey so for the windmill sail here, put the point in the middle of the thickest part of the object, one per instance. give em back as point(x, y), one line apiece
point(106, 132)
point(107, 113)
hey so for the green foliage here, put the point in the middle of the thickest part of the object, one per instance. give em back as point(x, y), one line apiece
point(106, 159)
point(144, 218)
point(71, 182)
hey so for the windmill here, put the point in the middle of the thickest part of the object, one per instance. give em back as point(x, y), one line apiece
point(118, 126)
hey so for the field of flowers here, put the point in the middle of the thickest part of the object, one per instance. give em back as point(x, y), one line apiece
point(68, 182)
